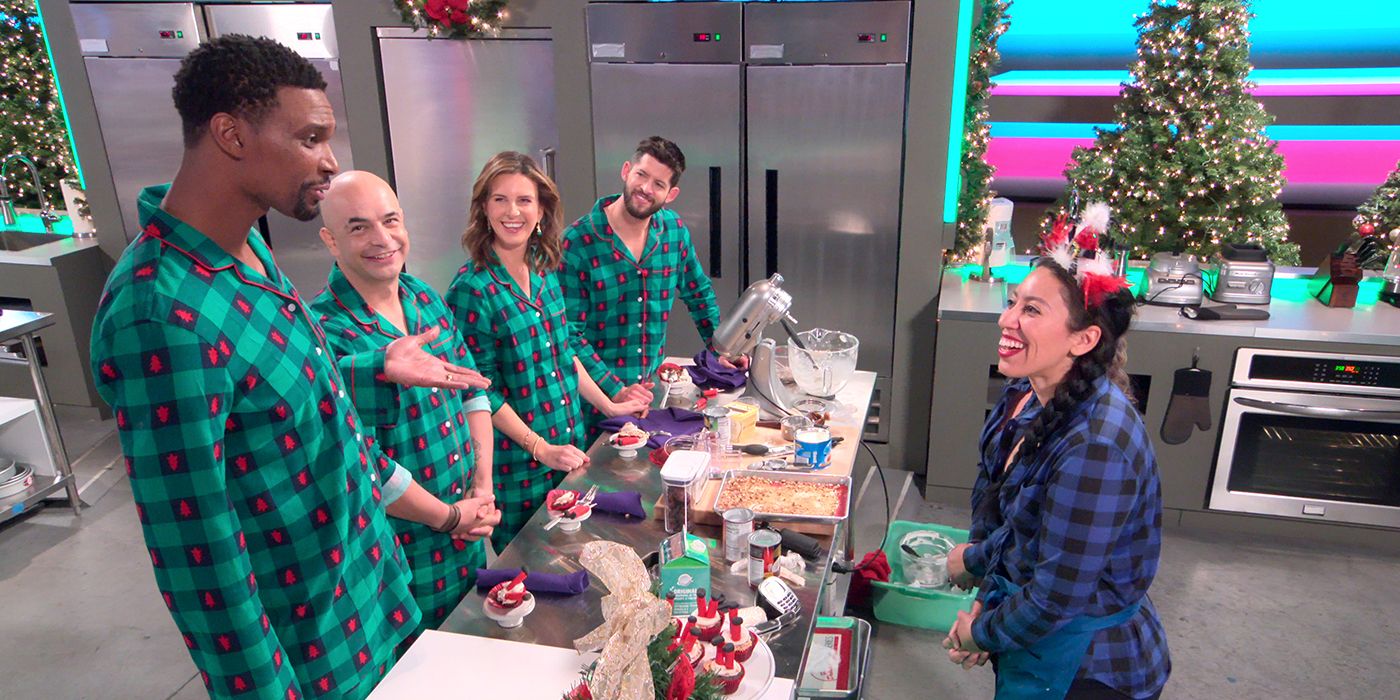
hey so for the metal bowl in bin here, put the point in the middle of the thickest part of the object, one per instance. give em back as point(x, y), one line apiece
point(901, 603)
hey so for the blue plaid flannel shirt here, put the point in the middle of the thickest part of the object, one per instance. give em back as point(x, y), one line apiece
point(1079, 528)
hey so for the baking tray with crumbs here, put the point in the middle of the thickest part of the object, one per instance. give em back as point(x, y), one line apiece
point(799, 497)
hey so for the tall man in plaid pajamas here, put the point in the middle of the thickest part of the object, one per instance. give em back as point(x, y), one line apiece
point(442, 437)
point(626, 263)
point(261, 503)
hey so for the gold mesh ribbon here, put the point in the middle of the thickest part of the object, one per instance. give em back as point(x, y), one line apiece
point(632, 617)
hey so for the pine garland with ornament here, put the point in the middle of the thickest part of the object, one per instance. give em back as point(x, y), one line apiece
point(1380, 214)
point(1189, 166)
point(975, 196)
point(668, 685)
point(31, 120)
point(455, 19)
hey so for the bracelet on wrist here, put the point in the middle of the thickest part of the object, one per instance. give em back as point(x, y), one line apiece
point(454, 518)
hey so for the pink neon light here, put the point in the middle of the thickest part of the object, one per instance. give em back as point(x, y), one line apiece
point(1273, 90)
point(1306, 162)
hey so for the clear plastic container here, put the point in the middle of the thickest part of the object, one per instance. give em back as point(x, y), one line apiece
point(682, 477)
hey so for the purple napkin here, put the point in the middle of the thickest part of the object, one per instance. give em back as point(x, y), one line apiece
point(676, 421)
point(627, 503)
point(708, 372)
point(536, 582)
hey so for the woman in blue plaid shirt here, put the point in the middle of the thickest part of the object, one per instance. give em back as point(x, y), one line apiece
point(1066, 528)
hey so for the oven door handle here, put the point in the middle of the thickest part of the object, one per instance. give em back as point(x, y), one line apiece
point(1318, 411)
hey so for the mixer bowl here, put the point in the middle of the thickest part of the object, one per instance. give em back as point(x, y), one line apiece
point(827, 363)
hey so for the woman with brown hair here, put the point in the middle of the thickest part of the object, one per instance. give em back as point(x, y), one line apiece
point(510, 310)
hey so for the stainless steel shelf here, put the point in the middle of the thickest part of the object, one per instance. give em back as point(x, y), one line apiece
point(22, 325)
point(23, 501)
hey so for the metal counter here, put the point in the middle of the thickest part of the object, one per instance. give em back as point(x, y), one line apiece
point(1289, 319)
point(557, 621)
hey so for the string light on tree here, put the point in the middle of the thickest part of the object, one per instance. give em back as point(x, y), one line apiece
point(1190, 167)
point(31, 121)
point(1380, 214)
point(975, 198)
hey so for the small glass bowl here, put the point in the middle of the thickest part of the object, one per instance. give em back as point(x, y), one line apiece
point(817, 410)
point(791, 424)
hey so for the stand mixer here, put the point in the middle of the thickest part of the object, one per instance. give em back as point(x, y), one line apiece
point(828, 361)
point(741, 333)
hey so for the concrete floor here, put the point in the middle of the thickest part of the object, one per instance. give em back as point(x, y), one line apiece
point(1245, 617)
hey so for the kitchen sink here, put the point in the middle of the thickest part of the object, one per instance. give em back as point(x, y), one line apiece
point(14, 240)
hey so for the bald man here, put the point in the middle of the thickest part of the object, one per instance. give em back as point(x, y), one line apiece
point(442, 437)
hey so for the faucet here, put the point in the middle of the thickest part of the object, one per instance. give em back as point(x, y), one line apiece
point(7, 205)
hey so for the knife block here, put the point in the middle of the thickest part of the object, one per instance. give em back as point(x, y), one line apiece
point(1336, 281)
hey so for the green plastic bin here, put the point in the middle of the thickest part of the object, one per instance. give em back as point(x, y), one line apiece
point(902, 604)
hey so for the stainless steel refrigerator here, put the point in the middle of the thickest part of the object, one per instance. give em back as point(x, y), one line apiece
point(132, 51)
point(791, 116)
point(451, 106)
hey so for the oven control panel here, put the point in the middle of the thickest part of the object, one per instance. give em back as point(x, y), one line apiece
point(1324, 370)
point(1340, 370)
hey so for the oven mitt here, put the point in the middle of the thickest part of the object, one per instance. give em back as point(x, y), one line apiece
point(1223, 312)
point(1190, 404)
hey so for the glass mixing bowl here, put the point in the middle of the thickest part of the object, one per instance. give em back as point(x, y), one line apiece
point(827, 362)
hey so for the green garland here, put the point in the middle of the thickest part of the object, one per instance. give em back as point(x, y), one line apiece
point(662, 660)
point(31, 121)
point(455, 19)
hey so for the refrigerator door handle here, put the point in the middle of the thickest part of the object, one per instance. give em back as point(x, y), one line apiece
point(770, 221)
point(716, 232)
point(547, 157)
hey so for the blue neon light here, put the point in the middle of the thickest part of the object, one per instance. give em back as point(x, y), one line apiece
point(1283, 33)
point(952, 183)
point(1277, 132)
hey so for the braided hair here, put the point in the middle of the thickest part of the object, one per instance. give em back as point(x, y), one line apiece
point(1108, 357)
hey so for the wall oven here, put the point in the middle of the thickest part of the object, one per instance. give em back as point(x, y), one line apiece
point(1312, 436)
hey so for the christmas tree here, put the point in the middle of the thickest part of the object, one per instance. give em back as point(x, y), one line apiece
point(1189, 167)
point(31, 121)
point(1381, 213)
point(977, 173)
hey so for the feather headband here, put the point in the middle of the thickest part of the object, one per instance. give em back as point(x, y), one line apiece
point(1075, 246)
